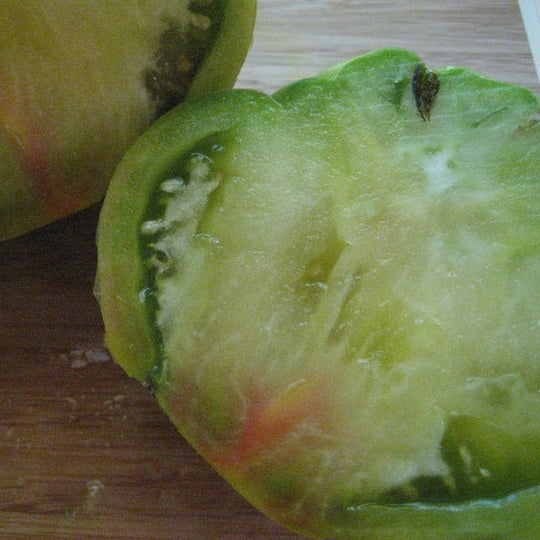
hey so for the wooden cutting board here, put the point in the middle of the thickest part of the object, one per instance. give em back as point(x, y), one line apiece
point(84, 451)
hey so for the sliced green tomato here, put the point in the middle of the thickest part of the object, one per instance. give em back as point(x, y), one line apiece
point(79, 81)
point(334, 293)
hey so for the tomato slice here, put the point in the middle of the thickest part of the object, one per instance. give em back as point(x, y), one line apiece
point(80, 81)
point(333, 292)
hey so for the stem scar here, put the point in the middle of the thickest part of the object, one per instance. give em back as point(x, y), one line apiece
point(425, 86)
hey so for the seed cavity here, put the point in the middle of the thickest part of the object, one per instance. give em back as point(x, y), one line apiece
point(180, 204)
point(180, 53)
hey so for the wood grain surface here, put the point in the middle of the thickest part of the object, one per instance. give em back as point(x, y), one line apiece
point(84, 450)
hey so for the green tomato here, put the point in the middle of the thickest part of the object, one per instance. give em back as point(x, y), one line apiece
point(333, 292)
point(79, 81)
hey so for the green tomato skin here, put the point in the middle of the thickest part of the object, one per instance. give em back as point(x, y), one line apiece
point(256, 441)
point(79, 83)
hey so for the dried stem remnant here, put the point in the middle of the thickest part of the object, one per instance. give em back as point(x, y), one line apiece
point(425, 87)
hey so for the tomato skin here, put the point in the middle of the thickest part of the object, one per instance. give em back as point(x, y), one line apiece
point(73, 95)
